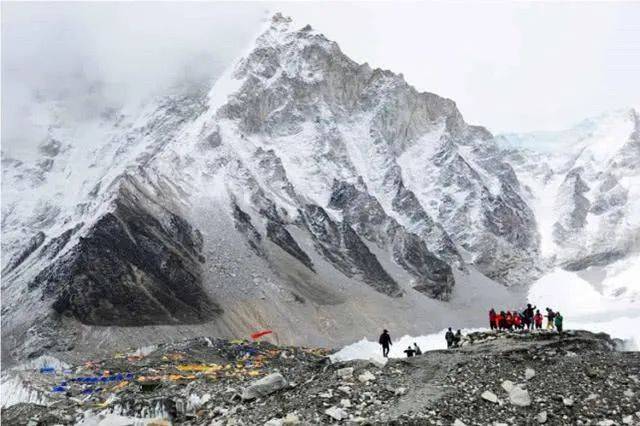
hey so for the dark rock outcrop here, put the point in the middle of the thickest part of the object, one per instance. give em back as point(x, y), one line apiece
point(367, 217)
point(277, 233)
point(343, 248)
point(131, 268)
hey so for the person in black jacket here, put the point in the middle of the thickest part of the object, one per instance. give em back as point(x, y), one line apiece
point(449, 337)
point(385, 342)
point(528, 316)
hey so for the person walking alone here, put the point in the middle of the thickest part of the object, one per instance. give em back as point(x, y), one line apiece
point(385, 342)
point(449, 337)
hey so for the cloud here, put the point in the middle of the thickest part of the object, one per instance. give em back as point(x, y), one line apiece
point(80, 59)
point(509, 66)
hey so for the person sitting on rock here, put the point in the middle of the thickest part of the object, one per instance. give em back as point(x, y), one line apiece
point(550, 317)
point(417, 349)
point(457, 338)
point(449, 337)
point(410, 352)
point(537, 319)
point(492, 319)
point(558, 322)
point(385, 342)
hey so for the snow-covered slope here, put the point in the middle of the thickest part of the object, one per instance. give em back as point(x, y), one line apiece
point(583, 185)
point(303, 192)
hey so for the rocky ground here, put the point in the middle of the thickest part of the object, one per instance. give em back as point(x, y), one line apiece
point(493, 378)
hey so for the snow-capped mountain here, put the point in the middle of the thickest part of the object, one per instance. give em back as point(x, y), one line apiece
point(584, 193)
point(304, 192)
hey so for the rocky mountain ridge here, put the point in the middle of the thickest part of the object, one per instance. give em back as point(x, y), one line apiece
point(303, 192)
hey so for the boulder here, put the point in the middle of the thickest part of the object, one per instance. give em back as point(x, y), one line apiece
point(366, 377)
point(265, 386)
point(542, 417)
point(519, 396)
point(344, 373)
point(489, 396)
point(507, 385)
point(336, 413)
point(529, 373)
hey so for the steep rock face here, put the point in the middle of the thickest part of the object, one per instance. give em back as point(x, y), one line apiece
point(366, 215)
point(574, 207)
point(131, 269)
point(304, 191)
point(341, 246)
point(413, 151)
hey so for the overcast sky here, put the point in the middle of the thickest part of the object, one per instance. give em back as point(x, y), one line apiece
point(509, 66)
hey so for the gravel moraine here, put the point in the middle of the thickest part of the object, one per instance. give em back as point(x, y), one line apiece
point(493, 378)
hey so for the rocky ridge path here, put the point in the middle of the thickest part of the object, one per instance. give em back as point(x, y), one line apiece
point(493, 378)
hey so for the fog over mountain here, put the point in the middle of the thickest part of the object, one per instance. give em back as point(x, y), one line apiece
point(306, 192)
point(510, 66)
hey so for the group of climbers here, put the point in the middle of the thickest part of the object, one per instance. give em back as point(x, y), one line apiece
point(453, 340)
point(385, 342)
point(530, 318)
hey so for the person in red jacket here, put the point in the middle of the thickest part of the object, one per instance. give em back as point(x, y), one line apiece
point(501, 319)
point(517, 321)
point(509, 320)
point(537, 319)
point(492, 319)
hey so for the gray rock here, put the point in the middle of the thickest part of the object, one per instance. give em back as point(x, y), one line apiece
point(344, 373)
point(336, 413)
point(400, 391)
point(519, 396)
point(542, 417)
point(367, 376)
point(490, 396)
point(264, 386)
point(529, 373)
point(507, 385)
